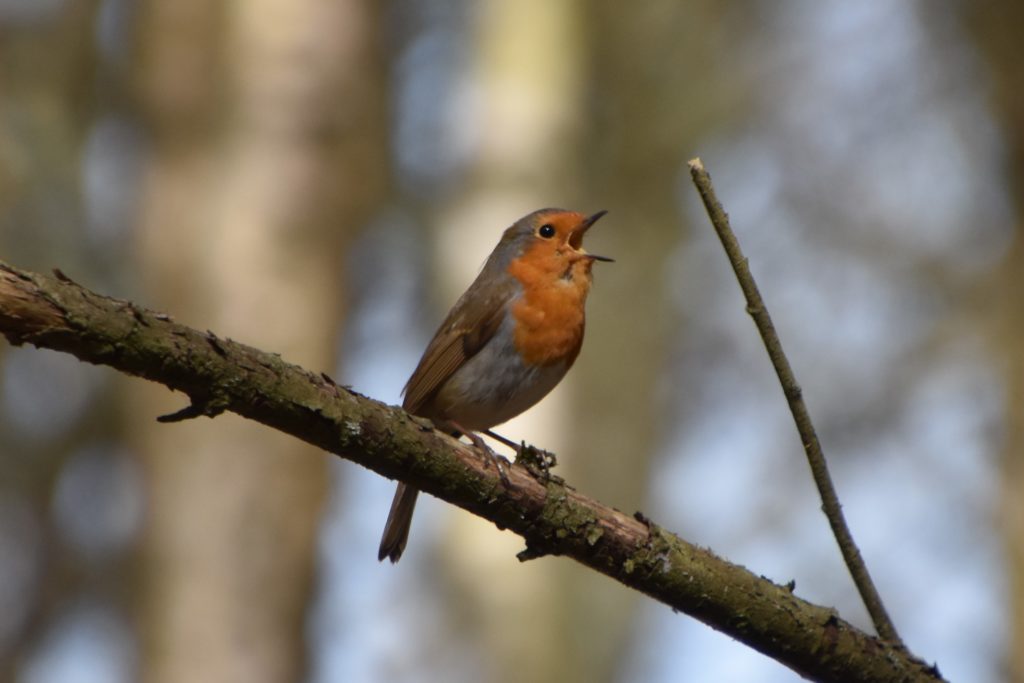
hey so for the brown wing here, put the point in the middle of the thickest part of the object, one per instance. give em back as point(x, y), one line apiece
point(468, 327)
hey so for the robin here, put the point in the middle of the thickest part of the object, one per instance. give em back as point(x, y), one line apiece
point(505, 344)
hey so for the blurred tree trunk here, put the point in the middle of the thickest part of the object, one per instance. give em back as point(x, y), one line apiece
point(531, 94)
point(47, 76)
point(997, 30)
point(651, 94)
point(577, 117)
point(267, 138)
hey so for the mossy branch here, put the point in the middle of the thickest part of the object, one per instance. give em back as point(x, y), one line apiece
point(554, 519)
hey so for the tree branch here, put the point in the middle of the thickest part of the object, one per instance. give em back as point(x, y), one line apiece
point(553, 518)
point(794, 396)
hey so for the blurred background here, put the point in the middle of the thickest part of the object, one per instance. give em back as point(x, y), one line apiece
point(322, 178)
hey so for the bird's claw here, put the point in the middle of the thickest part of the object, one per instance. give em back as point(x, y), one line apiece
point(536, 460)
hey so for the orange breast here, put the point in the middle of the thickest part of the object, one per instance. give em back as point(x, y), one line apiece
point(549, 315)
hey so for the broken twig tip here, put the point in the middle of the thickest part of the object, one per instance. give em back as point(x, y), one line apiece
point(187, 413)
point(198, 408)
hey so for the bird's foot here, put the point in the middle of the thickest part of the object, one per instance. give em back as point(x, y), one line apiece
point(536, 460)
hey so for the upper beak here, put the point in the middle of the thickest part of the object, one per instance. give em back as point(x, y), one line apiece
point(587, 222)
point(584, 226)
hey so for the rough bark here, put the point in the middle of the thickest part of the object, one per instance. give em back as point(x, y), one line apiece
point(996, 306)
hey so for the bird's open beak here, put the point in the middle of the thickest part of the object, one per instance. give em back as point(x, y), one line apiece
point(577, 236)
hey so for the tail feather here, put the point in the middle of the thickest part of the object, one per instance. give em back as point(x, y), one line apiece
point(396, 530)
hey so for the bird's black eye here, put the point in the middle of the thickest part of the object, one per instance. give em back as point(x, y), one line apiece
point(547, 231)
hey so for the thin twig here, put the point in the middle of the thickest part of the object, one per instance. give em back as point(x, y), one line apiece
point(808, 436)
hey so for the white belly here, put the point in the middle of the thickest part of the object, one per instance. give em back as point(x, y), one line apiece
point(495, 385)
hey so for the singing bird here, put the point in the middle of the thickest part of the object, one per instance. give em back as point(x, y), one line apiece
point(509, 339)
